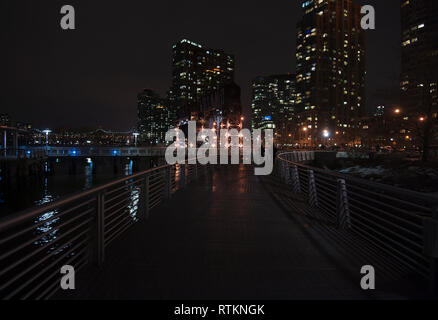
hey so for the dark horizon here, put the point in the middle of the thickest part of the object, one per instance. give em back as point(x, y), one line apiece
point(90, 77)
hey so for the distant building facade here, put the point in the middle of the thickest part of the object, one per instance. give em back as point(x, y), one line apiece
point(154, 118)
point(221, 108)
point(419, 73)
point(330, 76)
point(273, 104)
point(196, 71)
point(4, 119)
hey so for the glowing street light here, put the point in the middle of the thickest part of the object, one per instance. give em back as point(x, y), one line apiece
point(326, 133)
point(47, 131)
point(397, 111)
point(135, 134)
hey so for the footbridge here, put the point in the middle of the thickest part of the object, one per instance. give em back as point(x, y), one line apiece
point(220, 232)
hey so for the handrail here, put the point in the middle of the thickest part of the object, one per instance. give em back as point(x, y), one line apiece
point(28, 213)
point(78, 229)
point(399, 222)
point(386, 187)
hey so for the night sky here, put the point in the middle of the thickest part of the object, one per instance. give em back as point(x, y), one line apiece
point(91, 76)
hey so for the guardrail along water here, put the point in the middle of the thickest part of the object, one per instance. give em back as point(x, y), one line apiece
point(78, 229)
point(403, 224)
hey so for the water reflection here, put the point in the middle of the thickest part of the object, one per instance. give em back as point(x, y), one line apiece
point(134, 202)
point(48, 217)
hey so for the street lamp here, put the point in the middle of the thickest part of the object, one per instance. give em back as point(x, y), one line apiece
point(47, 131)
point(136, 134)
point(397, 111)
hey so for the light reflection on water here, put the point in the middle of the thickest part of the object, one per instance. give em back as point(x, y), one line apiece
point(52, 221)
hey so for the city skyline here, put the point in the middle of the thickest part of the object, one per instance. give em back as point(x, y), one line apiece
point(279, 151)
point(104, 87)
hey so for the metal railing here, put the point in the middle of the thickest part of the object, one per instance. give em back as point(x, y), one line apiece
point(79, 229)
point(403, 224)
point(15, 154)
point(96, 151)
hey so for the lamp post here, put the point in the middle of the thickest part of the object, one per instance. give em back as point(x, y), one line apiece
point(136, 134)
point(47, 131)
point(326, 135)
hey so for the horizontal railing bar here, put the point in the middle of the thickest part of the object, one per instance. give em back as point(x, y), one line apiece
point(116, 234)
point(17, 290)
point(324, 192)
point(401, 228)
point(16, 263)
point(417, 220)
point(327, 180)
point(123, 215)
point(53, 288)
point(33, 240)
point(420, 268)
point(56, 216)
point(123, 219)
point(128, 195)
point(411, 251)
point(108, 217)
point(411, 204)
point(392, 215)
point(154, 204)
point(109, 193)
point(22, 273)
point(371, 249)
point(400, 191)
point(29, 213)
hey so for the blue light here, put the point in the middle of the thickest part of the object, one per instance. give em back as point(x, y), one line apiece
point(267, 118)
point(114, 152)
point(305, 4)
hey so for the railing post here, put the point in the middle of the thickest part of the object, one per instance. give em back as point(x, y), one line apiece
point(313, 197)
point(284, 171)
point(182, 176)
point(167, 183)
point(288, 172)
point(431, 248)
point(342, 207)
point(100, 228)
point(145, 197)
point(295, 175)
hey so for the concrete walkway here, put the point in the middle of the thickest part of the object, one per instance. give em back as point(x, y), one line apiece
point(221, 238)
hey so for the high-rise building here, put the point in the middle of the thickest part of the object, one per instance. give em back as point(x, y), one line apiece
point(153, 118)
point(273, 103)
point(4, 119)
point(419, 74)
point(197, 71)
point(221, 107)
point(330, 75)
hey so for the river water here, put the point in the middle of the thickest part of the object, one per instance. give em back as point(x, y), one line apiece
point(18, 194)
